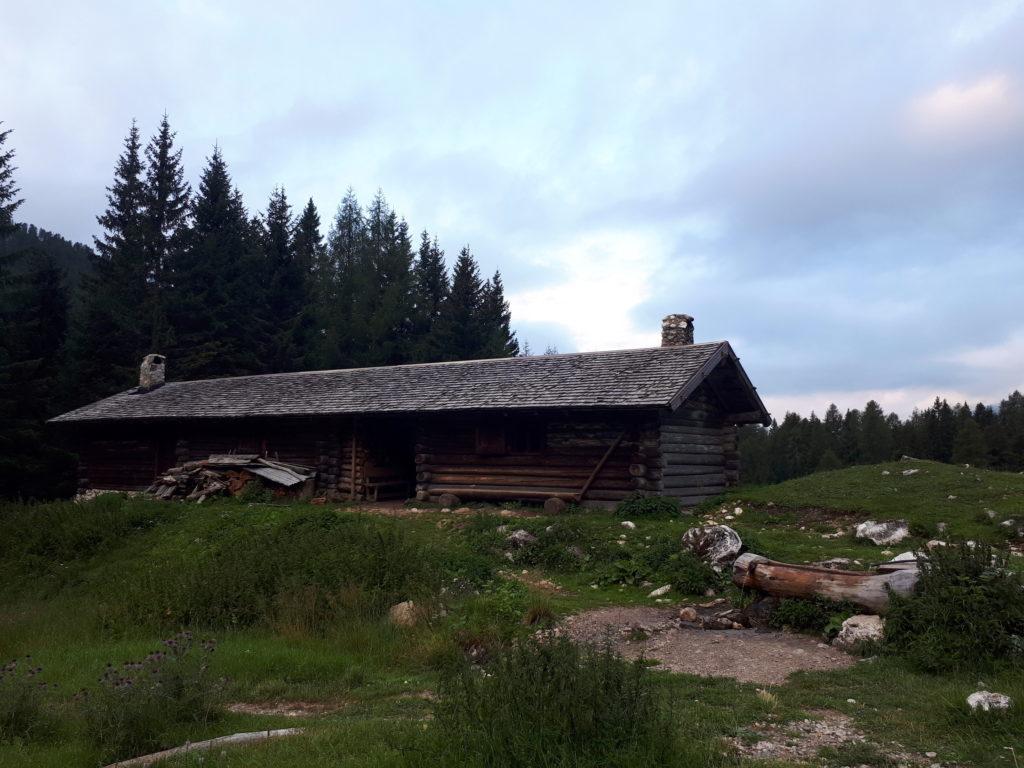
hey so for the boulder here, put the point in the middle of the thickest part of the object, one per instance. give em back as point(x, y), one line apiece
point(717, 545)
point(884, 533)
point(629, 524)
point(906, 557)
point(448, 500)
point(987, 700)
point(660, 591)
point(520, 538)
point(554, 506)
point(406, 614)
point(859, 629)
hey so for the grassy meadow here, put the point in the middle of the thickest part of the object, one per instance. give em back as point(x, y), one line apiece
point(288, 603)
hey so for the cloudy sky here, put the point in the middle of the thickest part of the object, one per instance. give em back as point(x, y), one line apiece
point(837, 188)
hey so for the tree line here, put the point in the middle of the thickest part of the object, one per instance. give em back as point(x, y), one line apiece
point(222, 291)
point(982, 436)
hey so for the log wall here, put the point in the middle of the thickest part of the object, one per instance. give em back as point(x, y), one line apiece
point(566, 451)
point(698, 451)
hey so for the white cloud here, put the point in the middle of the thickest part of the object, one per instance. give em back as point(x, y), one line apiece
point(599, 279)
point(1006, 357)
point(966, 113)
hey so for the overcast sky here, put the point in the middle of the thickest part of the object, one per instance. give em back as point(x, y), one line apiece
point(836, 188)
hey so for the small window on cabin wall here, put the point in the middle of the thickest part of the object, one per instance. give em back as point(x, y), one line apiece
point(497, 437)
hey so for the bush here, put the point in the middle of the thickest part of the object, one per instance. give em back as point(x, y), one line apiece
point(662, 561)
point(137, 704)
point(24, 715)
point(549, 702)
point(818, 617)
point(967, 611)
point(648, 506)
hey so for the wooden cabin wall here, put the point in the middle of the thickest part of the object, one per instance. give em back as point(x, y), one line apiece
point(699, 455)
point(123, 463)
point(450, 459)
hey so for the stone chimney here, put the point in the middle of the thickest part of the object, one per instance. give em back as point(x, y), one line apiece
point(676, 331)
point(151, 372)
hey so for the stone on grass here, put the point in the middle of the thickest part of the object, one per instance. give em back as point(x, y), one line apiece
point(521, 538)
point(405, 614)
point(660, 591)
point(629, 524)
point(717, 545)
point(906, 557)
point(835, 563)
point(448, 500)
point(884, 533)
point(688, 613)
point(909, 472)
point(554, 506)
point(987, 700)
point(859, 629)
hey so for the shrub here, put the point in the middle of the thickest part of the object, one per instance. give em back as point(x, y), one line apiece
point(137, 703)
point(24, 715)
point(660, 560)
point(549, 702)
point(967, 611)
point(648, 506)
point(818, 617)
point(254, 492)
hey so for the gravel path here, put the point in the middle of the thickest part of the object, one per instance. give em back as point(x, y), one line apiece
point(747, 655)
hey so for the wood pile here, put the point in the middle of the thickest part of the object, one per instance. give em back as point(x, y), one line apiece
point(229, 474)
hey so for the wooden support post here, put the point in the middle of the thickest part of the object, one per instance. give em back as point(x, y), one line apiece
point(600, 464)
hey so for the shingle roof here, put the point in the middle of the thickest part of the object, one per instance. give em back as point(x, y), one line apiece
point(635, 378)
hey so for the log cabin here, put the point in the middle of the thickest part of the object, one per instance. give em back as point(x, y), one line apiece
point(590, 427)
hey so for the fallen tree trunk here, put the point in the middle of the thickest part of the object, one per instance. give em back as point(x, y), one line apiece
point(866, 589)
point(198, 746)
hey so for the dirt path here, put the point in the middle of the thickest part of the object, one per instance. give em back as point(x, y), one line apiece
point(747, 655)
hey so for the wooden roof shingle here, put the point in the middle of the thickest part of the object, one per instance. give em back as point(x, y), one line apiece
point(634, 378)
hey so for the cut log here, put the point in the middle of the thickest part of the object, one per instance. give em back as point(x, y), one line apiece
point(866, 589)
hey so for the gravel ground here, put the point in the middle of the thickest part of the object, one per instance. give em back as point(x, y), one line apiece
point(747, 655)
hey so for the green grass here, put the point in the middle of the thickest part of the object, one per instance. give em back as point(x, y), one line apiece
point(298, 609)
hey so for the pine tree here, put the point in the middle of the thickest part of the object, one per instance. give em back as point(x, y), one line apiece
point(165, 221)
point(113, 329)
point(387, 303)
point(875, 438)
point(219, 302)
point(429, 291)
point(495, 318)
point(459, 332)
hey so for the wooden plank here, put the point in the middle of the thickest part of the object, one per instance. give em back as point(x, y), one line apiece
point(668, 459)
point(601, 463)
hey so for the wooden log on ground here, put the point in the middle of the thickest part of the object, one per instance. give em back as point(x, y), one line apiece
point(866, 589)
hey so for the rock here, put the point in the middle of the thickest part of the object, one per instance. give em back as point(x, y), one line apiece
point(991, 514)
point(904, 557)
point(935, 543)
point(660, 591)
point(554, 506)
point(463, 511)
point(688, 613)
point(502, 529)
point(717, 545)
point(405, 614)
point(886, 472)
point(448, 500)
point(629, 524)
point(951, 497)
point(941, 527)
point(987, 700)
point(909, 472)
point(738, 511)
point(521, 538)
point(1008, 523)
point(859, 629)
point(885, 532)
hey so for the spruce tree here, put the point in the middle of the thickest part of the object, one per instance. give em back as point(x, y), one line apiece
point(113, 328)
point(318, 282)
point(285, 284)
point(969, 445)
point(429, 291)
point(387, 304)
point(165, 221)
point(459, 332)
point(219, 302)
point(345, 336)
point(499, 340)
point(9, 200)
point(875, 438)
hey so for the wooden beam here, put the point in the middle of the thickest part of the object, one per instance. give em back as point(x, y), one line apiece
point(611, 449)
